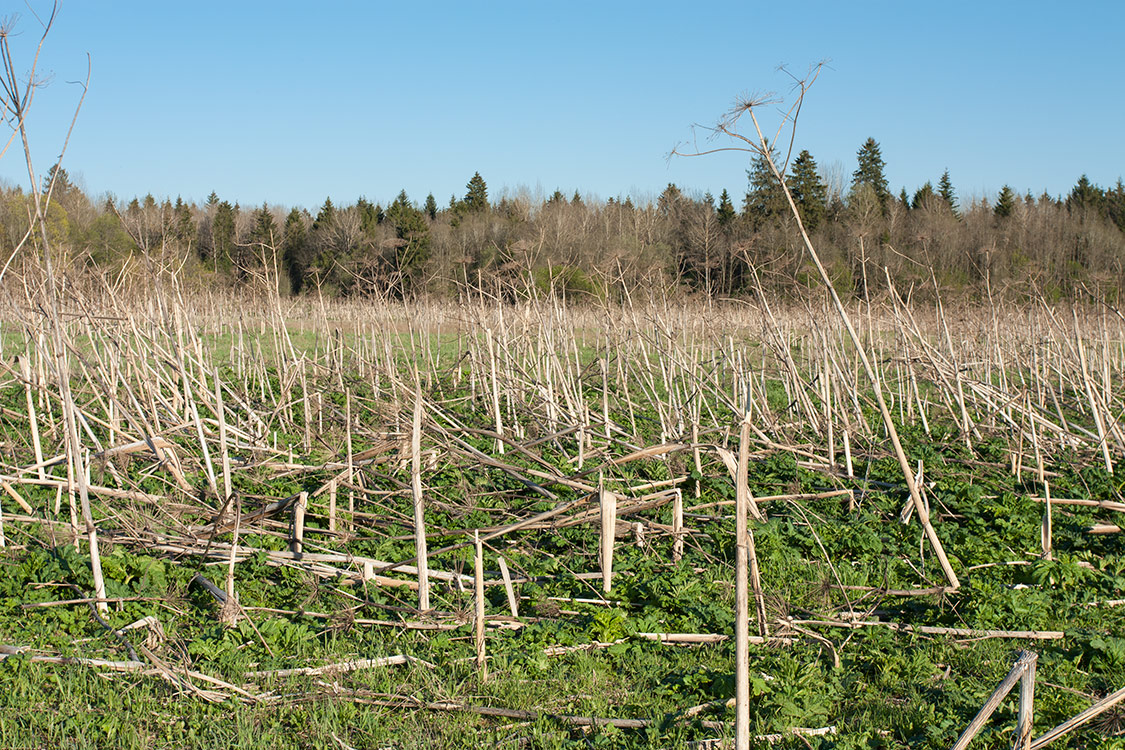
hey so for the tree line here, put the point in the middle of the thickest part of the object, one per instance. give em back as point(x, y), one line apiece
point(867, 236)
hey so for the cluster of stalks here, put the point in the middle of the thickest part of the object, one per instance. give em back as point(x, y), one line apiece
point(219, 396)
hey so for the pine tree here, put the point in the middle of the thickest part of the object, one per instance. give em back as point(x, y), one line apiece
point(725, 212)
point(476, 199)
point(870, 171)
point(1005, 203)
point(431, 207)
point(808, 191)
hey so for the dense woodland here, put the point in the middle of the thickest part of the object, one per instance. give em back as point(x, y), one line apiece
point(1013, 244)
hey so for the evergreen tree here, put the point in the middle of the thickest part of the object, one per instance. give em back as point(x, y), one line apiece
point(264, 227)
point(557, 199)
point(222, 235)
point(670, 200)
point(184, 224)
point(325, 216)
point(923, 196)
point(431, 207)
point(870, 171)
point(413, 231)
point(368, 217)
point(1085, 198)
point(476, 199)
point(765, 198)
point(1115, 205)
point(295, 250)
point(945, 190)
point(64, 188)
point(808, 191)
point(576, 200)
point(1005, 203)
point(725, 212)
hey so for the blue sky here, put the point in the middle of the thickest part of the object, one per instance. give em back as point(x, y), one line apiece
point(291, 102)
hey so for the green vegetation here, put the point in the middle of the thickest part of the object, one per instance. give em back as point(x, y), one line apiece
point(831, 552)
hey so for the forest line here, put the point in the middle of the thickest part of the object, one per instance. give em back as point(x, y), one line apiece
point(1013, 244)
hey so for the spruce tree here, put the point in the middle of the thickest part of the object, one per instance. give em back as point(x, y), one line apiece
point(476, 199)
point(264, 228)
point(764, 198)
point(922, 196)
point(368, 217)
point(725, 212)
point(670, 200)
point(1085, 198)
point(431, 207)
point(184, 226)
point(222, 235)
point(808, 191)
point(63, 185)
point(945, 190)
point(413, 230)
point(870, 171)
point(325, 216)
point(1005, 203)
point(1115, 205)
point(295, 250)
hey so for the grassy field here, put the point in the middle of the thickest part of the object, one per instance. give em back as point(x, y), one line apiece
point(259, 475)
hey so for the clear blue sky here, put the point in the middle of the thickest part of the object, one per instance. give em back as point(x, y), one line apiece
point(291, 102)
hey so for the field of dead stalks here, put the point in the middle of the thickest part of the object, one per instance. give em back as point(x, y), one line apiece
point(268, 523)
